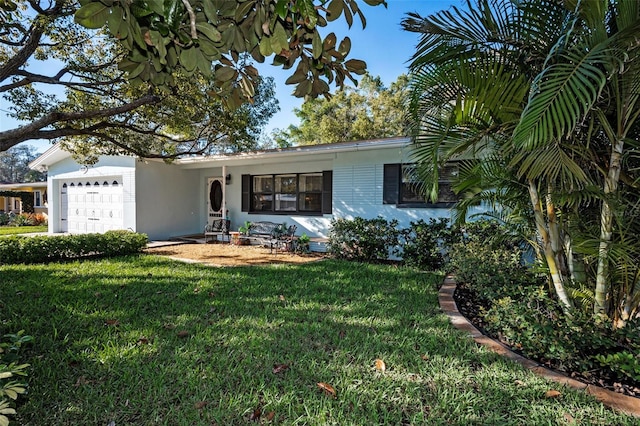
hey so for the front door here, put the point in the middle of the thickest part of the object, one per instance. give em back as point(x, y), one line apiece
point(215, 199)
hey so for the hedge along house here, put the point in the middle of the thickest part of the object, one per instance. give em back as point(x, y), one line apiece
point(306, 186)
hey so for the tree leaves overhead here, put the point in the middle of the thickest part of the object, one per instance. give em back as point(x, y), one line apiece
point(92, 15)
point(197, 33)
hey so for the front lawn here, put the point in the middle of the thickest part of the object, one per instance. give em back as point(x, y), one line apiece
point(143, 340)
point(13, 230)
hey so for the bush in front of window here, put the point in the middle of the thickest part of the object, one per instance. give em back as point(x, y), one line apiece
point(364, 240)
point(423, 245)
point(45, 248)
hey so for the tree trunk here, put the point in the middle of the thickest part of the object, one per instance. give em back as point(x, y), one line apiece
point(606, 228)
point(549, 240)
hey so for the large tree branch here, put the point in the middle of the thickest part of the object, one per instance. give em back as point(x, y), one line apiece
point(33, 130)
point(56, 79)
point(31, 44)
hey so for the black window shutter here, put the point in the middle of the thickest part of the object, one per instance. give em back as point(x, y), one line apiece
point(246, 193)
point(327, 191)
point(391, 183)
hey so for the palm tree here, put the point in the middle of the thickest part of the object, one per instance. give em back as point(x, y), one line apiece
point(535, 84)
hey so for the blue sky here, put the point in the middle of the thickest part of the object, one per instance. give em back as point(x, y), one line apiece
point(382, 44)
point(385, 47)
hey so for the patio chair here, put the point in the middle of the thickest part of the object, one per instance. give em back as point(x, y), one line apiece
point(284, 239)
point(217, 227)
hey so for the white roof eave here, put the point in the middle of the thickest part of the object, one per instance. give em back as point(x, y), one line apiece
point(308, 150)
point(51, 156)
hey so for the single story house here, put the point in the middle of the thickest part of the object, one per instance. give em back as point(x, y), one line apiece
point(306, 186)
point(10, 203)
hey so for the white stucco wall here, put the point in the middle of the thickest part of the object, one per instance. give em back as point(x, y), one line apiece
point(358, 187)
point(167, 202)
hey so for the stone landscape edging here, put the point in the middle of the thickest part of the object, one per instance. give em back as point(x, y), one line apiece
point(624, 403)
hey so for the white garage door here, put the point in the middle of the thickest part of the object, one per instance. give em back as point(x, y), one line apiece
point(91, 205)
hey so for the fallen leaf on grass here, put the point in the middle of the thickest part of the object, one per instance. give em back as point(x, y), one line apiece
point(143, 341)
point(183, 333)
point(200, 405)
point(270, 415)
point(281, 297)
point(520, 383)
point(82, 380)
point(425, 357)
point(169, 326)
point(113, 322)
point(255, 416)
point(280, 368)
point(552, 394)
point(569, 418)
point(380, 365)
point(327, 389)
point(342, 334)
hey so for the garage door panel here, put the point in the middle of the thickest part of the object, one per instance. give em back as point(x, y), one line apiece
point(89, 207)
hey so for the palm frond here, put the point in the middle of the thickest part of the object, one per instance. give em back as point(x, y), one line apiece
point(563, 93)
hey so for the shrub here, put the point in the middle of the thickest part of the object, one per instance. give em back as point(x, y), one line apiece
point(23, 219)
point(363, 239)
point(46, 248)
point(4, 218)
point(491, 272)
point(622, 364)
point(581, 342)
point(10, 369)
point(423, 245)
point(520, 311)
point(38, 219)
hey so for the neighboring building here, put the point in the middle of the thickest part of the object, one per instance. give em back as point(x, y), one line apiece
point(306, 186)
point(13, 204)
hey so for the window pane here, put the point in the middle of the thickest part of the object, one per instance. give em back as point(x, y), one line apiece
point(286, 202)
point(310, 202)
point(311, 182)
point(445, 193)
point(262, 184)
point(262, 202)
point(409, 191)
point(410, 194)
point(286, 184)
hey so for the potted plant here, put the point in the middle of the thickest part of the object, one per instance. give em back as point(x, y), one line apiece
point(302, 244)
point(244, 229)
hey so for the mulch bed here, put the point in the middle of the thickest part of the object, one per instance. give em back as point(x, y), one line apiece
point(469, 306)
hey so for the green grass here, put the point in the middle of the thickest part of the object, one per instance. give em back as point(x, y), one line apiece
point(13, 230)
point(327, 321)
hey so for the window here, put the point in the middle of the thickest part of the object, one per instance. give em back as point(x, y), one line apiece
point(286, 193)
point(300, 193)
point(37, 199)
point(400, 186)
point(262, 199)
point(310, 192)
